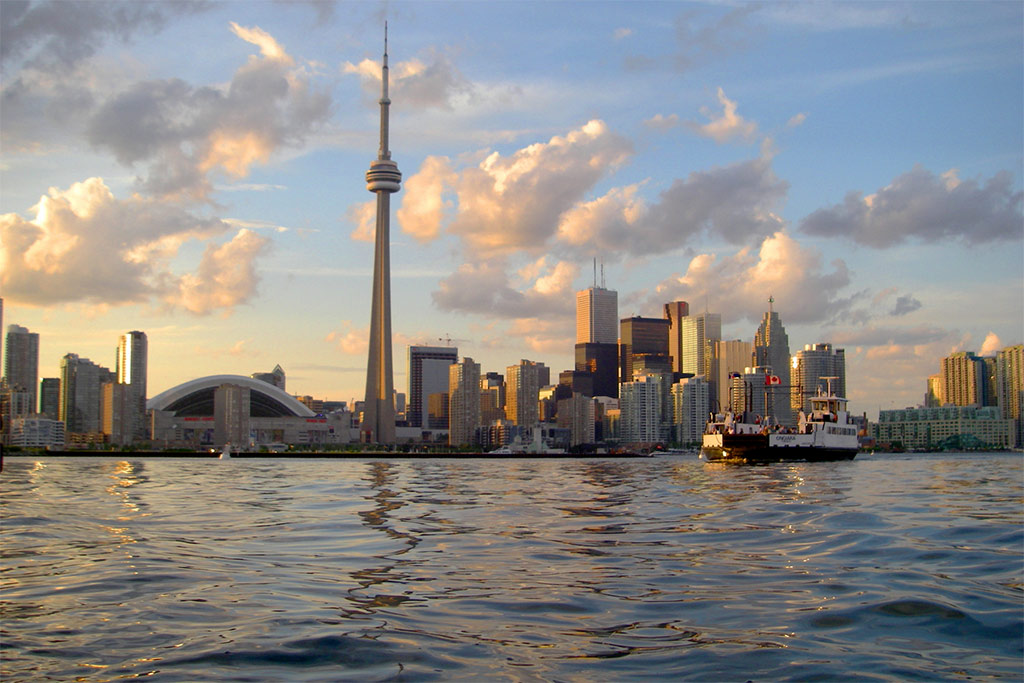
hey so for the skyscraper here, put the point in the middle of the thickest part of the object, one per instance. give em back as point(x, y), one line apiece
point(275, 377)
point(675, 311)
point(771, 351)
point(644, 347)
point(698, 332)
point(132, 367)
point(728, 358)
point(428, 374)
point(642, 404)
point(492, 398)
point(81, 395)
point(383, 179)
point(963, 377)
point(49, 397)
point(523, 384)
point(810, 366)
point(691, 404)
point(1010, 386)
point(597, 316)
point(463, 401)
point(21, 363)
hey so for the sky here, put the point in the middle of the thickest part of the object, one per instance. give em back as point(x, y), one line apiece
point(195, 170)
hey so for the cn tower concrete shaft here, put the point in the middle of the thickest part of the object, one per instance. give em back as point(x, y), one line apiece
point(383, 178)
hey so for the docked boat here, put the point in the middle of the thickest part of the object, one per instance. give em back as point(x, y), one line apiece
point(536, 447)
point(827, 433)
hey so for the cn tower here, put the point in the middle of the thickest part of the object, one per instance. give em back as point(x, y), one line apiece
point(383, 178)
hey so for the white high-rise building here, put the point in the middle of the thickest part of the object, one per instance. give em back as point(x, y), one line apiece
point(463, 402)
point(642, 407)
point(597, 316)
point(523, 383)
point(690, 407)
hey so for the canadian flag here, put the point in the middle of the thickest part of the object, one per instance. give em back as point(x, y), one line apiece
point(772, 379)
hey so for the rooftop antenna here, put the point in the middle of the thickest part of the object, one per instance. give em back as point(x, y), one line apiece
point(771, 301)
point(602, 275)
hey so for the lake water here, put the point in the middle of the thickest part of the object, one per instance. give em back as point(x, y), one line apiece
point(886, 568)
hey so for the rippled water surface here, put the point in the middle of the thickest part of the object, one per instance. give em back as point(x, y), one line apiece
point(884, 568)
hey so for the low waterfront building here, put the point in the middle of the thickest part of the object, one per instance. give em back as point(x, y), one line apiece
point(36, 431)
point(948, 427)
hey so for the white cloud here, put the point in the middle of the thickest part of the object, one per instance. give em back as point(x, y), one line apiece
point(511, 203)
point(269, 47)
point(796, 120)
point(726, 126)
point(742, 283)
point(350, 340)
point(662, 123)
point(84, 245)
point(921, 205)
point(364, 216)
point(991, 345)
point(425, 204)
point(225, 278)
point(184, 134)
point(544, 291)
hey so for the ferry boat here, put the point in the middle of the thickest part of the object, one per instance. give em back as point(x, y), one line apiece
point(827, 433)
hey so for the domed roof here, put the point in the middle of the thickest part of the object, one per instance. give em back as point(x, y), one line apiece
point(195, 398)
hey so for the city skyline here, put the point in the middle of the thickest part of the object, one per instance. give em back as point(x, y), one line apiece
point(212, 199)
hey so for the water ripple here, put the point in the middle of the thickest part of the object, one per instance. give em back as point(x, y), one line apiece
point(880, 569)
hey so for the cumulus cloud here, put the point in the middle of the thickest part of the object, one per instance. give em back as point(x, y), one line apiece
point(434, 83)
point(84, 245)
point(185, 133)
point(364, 216)
point(226, 276)
point(510, 203)
point(921, 205)
point(725, 126)
point(991, 345)
point(425, 204)
point(485, 288)
point(742, 283)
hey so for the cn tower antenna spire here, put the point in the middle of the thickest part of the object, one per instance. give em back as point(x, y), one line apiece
point(383, 179)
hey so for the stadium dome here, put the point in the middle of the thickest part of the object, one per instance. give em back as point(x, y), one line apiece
point(195, 398)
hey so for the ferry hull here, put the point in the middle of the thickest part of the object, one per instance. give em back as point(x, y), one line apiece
point(756, 448)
